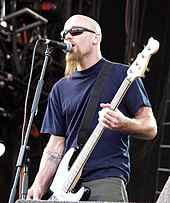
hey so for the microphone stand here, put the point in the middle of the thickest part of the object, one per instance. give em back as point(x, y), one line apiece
point(25, 179)
point(34, 111)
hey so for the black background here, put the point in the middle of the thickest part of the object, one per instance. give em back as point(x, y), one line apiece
point(152, 20)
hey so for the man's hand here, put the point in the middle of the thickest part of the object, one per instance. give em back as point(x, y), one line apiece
point(113, 120)
point(34, 193)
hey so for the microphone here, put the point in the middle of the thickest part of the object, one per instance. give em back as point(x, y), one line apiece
point(66, 47)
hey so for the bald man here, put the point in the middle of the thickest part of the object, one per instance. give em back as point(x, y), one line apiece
point(106, 171)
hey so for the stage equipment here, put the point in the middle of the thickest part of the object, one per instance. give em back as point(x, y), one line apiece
point(39, 19)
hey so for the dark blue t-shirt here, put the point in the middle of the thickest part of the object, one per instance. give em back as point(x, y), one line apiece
point(65, 109)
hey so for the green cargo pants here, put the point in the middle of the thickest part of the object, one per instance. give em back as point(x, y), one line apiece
point(107, 189)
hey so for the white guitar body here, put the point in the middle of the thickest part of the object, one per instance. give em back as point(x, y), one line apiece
point(65, 179)
point(60, 179)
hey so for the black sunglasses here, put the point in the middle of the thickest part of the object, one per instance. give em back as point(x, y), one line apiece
point(75, 31)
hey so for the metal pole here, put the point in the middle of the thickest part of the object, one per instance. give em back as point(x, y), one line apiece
point(2, 6)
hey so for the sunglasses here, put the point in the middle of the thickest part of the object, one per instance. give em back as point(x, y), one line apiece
point(74, 31)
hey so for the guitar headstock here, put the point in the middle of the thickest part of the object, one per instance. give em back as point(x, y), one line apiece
point(139, 66)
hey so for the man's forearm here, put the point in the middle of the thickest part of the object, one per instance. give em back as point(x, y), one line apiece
point(143, 126)
point(50, 161)
point(48, 167)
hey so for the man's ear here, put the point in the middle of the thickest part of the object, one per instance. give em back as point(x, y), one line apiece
point(96, 38)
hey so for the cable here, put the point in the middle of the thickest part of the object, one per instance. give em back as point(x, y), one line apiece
point(98, 9)
point(27, 93)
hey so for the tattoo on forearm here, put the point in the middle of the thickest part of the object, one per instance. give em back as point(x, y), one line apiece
point(54, 157)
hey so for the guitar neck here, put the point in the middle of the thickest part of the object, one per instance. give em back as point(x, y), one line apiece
point(120, 93)
point(93, 139)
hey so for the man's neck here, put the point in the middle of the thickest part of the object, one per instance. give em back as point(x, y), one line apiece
point(88, 62)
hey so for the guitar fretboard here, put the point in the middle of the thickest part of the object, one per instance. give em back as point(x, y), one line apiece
point(93, 139)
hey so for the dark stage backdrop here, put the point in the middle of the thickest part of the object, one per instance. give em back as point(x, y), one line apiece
point(127, 26)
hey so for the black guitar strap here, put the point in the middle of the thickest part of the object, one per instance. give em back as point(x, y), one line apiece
point(92, 104)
